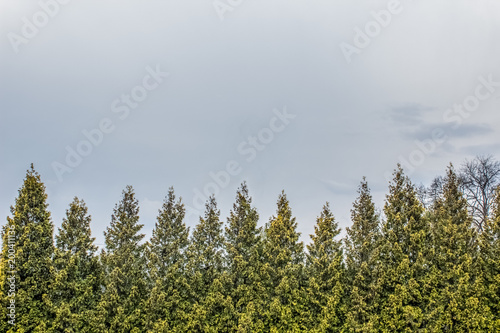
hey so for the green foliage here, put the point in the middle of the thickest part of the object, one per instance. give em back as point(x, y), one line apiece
point(325, 270)
point(205, 267)
point(243, 246)
point(416, 269)
point(361, 255)
point(284, 276)
point(29, 234)
point(454, 304)
point(490, 263)
point(402, 263)
point(124, 266)
point(167, 307)
point(76, 289)
point(205, 251)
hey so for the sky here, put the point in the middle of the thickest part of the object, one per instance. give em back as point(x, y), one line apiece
point(302, 96)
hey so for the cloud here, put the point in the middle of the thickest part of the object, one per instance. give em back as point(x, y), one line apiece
point(417, 122)
point(409, 114)
point(484, 149)
point(463, 131)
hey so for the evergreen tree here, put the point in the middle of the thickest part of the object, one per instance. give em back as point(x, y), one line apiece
point(124, 264)
point(243, 259)
point(420, 270)
point(361, 254)
point(326, 275)
point(27, 270)
point(217, 310)
point(403, 260)
point(490, 263)
point(455, 302)
point(205, 269)
point(167, 306)
point(76, 288)
point(285, 278)
point(205, 251)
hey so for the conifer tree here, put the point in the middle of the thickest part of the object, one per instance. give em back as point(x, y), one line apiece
point(205, 270)
point(455, 303)
point(217, 310)
point(27, 270)
point(124, 265)
point(76, 289)
point(403, 260)
point(326, 275)
point(419, 270)
point(167, 306)
point(284, 271)
point(361, 245)
point(205, 250)
point(243, 260)
point(490, 263)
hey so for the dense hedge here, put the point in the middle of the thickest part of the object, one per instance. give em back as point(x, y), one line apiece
point(417, 268)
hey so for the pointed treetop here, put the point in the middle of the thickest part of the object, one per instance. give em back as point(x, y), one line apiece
point(75, 234)
point(363, 216)
point(325, 231)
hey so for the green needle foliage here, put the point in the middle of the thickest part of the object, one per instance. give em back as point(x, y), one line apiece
point(32, 271)
point(490, 264)
point(76, 289)
point(326, 274)
point(205, 272)
point(454, 303)
point(412, 268)
point(402, 265)
point(120, 309)
point(284, 272)
point(168, 307)
point(361, 255)
point(243, 246)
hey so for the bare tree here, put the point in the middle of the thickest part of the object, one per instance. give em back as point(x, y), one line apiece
point(422, 194)
point(435, 190)
point(479, 178)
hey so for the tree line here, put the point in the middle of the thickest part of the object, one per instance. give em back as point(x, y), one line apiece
point(428, 262)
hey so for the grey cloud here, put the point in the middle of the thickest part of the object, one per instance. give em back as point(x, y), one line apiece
point(424, 130)
point(409, 114)
point(484, 149)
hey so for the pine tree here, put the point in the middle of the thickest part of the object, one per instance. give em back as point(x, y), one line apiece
point(455, 302)
point(27, 269)
point(361, 254)
point(167, 306)
point(243, 259)
point(284, 271)
point(124, 265)
point(326, 275)
point(205, 251)
point(205, 270)
point(402, 263)
point(490, 263)
point(218, 314)
point(76, 288)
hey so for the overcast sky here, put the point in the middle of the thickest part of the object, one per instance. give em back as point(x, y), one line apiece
point(305, 96)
